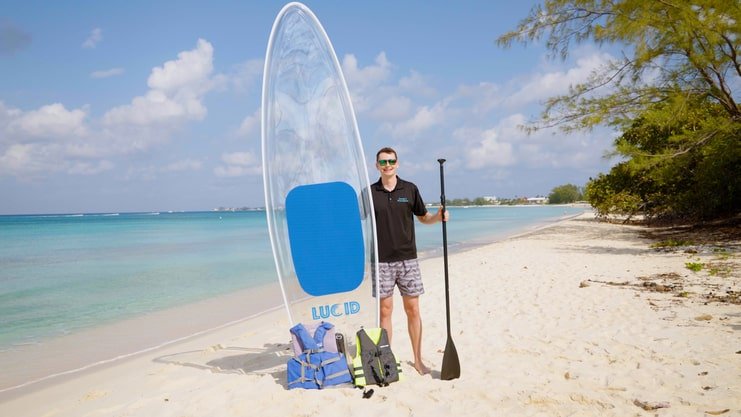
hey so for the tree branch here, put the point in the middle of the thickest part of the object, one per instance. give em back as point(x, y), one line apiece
point(732, 55)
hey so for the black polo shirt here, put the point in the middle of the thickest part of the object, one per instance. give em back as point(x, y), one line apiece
point(395, 211)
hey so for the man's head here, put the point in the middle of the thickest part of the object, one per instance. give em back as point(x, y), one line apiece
point(386, 161)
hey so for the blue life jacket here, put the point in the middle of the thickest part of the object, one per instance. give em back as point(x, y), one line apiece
point(314, 367)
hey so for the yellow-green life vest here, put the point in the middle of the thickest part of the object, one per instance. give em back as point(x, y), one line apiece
point(374, 362)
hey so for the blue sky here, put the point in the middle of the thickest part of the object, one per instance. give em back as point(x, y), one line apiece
point(154, 105)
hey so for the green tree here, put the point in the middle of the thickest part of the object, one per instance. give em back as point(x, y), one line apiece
point(480, 201)
point(663, 177)
point(672, 94)
point(619, 192)
point(565, 194)
point(675, 47)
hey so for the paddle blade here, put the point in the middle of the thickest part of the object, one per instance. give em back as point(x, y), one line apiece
point(451, 366)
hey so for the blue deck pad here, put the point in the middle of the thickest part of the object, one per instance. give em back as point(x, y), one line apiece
point(326, 238)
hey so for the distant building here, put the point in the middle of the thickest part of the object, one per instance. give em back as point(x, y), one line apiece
point(537, 200)
point(490, 199)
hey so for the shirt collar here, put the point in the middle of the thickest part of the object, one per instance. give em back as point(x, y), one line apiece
point(399, 184)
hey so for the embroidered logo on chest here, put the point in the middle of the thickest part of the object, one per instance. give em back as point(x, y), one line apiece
point(402, 200)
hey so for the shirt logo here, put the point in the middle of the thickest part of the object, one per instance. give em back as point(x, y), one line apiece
point(402, 200)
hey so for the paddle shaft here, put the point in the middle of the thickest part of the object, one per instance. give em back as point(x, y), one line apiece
point(445, 244)
point(451, 367)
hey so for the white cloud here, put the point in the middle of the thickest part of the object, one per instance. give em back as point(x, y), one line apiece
point(189, 74)
point(17, 158)
point(247, 75)
point(238, 164)
point(150, 172)
point(417, 84)
point(156, 108)
point(239, 158)
point(488, 149)
point(423, 119)
point(478, 123)
point(367, 85)
point(375, 93)
point(90, 168)
point(507, 145)
point(49, 139)
point(50, 121)
point(175, 95)
point(554, 149)
point(544, 85)
point(250, 125)
point(183, 165)
point(392, 109)
point(36, 160)
point(480, 99)
point(475, 125)
point(363, 79)
point(96, 36)
point(107, 73)
point(52, 138)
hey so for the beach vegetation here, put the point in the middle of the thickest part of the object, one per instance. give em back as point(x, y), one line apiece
point(722, 256)
point(694, 266)
point(486, 201)
point(479, 201)
point(565, 194)
point(720, 268)
point(666, 173)
point(672, 93)
point(671, 243)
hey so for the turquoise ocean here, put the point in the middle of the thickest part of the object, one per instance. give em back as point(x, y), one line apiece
point(61, 274)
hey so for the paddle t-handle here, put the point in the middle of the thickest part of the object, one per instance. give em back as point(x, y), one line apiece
point(442, 187)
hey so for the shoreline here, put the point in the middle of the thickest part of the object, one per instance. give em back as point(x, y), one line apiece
point(496, 238)
point(92, 354)
point(102, 346)
point(540, 310)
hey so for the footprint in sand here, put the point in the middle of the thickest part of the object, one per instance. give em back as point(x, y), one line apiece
point(94, 395)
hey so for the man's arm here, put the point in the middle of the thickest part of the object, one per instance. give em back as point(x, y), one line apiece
point(430, 218)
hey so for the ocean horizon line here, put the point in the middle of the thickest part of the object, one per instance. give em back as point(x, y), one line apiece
point(123, 212)
point(251, 209)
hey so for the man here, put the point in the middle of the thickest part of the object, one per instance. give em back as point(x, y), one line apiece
point(396, 202)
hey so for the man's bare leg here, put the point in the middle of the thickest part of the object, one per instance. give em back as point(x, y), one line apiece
point(387, 308)
point(414, 324)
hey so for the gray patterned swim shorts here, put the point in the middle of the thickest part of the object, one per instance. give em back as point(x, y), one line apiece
point(404, 274)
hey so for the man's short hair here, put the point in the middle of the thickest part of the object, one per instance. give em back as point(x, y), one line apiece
point(387, 150)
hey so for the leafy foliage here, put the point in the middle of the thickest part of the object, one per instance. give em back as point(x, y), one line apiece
point(694, 266)
point(669, 175)
point(673, 95)
point(564, 194)
point(675, 47)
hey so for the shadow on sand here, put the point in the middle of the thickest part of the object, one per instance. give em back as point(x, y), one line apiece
point(268, 360)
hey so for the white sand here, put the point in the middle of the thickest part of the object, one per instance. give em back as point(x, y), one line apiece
point(531, 342)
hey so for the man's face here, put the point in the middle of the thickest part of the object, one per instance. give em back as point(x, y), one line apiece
point(386, 164)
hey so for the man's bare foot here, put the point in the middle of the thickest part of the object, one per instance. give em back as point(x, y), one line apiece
point(421, 368)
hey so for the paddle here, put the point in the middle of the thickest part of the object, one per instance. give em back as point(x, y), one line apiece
point(451, 366)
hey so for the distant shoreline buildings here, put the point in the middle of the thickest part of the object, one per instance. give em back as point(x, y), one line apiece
point(239, 209)
point(478, 201)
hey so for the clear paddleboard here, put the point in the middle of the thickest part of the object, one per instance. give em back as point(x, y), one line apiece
point(319, 213)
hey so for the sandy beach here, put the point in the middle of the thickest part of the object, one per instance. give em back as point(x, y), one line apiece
point(580, 318)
